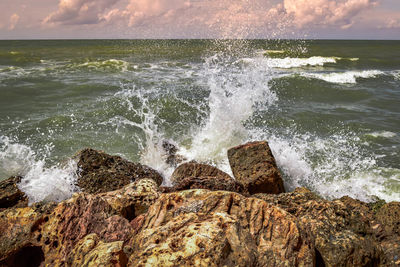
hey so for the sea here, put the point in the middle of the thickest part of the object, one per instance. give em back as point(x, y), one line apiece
point(329, 109)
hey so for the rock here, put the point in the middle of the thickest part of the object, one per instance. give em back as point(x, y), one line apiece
point(99, 172)
point(253, 165)
point(206, 228)
point(73, 220)
point(10, 195)
point(134, 199)
point(387, 229)
point(18, 240)
point(91, 251)
point(171, 151)
point(192, 169)
point(210, 183)
point(341, 230)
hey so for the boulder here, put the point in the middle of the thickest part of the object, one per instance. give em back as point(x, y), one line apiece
point(217, 228)
point(341, 230)
point(210, 183)
point(72, 220)
point(254, 166)
point(99, 172)
point(10, 195)
point(193, 169)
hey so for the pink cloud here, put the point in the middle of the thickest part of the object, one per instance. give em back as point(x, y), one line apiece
point(79, 11)
point(326, 12)
point(14, 19)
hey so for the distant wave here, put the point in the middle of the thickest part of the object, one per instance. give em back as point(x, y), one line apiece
point(106, 65)
point(383, 134)
point(288, 62)
point(344, 77)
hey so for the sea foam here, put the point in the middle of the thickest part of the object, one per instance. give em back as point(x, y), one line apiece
point(344, 77)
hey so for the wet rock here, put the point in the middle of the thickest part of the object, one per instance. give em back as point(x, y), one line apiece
point(387, 229)
point(17, 233)
point(74, 219)
point(10, 195)
point(91, 251)
point(210, 183)
point(206, 228)
point(254, 166)
point(99, 172)
point(341, 230)
point(171, 151)
point(192, 169)
point(133, 199)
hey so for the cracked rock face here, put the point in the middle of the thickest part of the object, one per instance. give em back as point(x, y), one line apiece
point(204, 228)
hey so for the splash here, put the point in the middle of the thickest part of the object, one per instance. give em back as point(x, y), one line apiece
point(40, 183)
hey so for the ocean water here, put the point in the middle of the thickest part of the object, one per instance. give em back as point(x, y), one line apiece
point(329, 109)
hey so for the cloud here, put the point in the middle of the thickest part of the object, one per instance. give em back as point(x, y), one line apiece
point(72, 12)
point(222, 18)
point(326, 12)
point(13, 21)
point(391, 24)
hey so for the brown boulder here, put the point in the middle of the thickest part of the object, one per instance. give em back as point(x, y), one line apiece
point(210, 183)
point(10, 195)
point(341, 230)
point(254, 166)
point(99, 172)
point(206, 228)
point(76, 218)
point(192, 169)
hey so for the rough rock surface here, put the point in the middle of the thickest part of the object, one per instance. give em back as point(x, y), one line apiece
point(205, 228)
point(91, 251)
point(340, 229)
point(10, 195)
point(99, 172)
point(387, 230)
point(75, 218)
point(17, 234)
point(210, 183)
point(134, 199)
point(254, 166)
point(192, 169)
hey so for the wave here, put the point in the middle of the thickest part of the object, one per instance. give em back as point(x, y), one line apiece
point(105, 65)
point(383, 134)
point(344, 77)
point(40, 183)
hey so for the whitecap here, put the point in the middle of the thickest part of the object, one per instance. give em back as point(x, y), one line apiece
point(349, 77)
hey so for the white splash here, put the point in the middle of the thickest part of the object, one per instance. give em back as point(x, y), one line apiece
point(40, 183)
point(384, 134)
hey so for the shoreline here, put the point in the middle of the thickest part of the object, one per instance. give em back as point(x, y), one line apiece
point(121, 216)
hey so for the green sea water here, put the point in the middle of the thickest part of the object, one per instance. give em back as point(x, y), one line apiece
point(329, 109)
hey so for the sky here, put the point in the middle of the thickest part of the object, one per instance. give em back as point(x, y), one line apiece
point(130, 19)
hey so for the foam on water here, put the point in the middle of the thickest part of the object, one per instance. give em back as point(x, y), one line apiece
point(344, 77)
point(39, 182)
point(384, 134)
point(288, 62)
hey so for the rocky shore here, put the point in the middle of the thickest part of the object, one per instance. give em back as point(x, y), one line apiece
point(122, 216)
